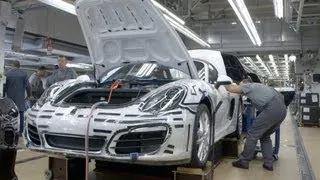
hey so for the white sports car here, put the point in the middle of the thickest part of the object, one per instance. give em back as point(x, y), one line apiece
point(147, 106)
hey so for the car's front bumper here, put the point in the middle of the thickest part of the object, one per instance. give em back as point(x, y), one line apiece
point(115, 135)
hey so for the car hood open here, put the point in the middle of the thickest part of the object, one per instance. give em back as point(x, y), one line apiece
point(128, 31)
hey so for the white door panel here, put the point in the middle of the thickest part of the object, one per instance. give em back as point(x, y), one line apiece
point(222, 113)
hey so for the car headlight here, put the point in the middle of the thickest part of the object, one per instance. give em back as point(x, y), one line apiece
point(48, 94)
point(164, 100)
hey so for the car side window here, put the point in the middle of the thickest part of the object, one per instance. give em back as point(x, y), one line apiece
point(213, 74)
point(234, 68)
point(201, 70)
point(176, 74)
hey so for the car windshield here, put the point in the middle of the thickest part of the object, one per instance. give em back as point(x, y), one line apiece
point(147, 72)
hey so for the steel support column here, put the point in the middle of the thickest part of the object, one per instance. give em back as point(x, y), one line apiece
point(2, 38)
point(5, 13)
point(300, 15)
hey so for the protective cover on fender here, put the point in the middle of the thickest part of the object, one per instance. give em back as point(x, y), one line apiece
point(9, 124)
point(7, 106)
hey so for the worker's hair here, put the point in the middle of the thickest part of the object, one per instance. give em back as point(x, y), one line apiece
point(246, 81)
point(16, 64)
point(63, 57)
point(41, 68)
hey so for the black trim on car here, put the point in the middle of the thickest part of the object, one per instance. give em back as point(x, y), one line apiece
point(188, 138)
point(99, 120)
point(168, 152)
point(169, 131)
point(179, 126)
point(102, 131)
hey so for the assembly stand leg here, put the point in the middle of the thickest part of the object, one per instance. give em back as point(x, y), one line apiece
point(8, 161)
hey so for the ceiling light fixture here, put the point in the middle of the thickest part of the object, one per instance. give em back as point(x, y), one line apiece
point(167, 12)
point(253, 65)
point(278, 8)
point(242, 12)
point(210, 41)
point(247, 68)
point(186, 31)
point(175, 21)
point(286, 60)
point(274, 64)
point(62, 5)
point(293, 58)
point(262, 63)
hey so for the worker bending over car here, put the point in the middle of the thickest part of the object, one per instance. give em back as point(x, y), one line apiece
point(273, 111)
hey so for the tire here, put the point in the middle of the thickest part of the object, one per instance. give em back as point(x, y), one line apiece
point(240, 117)
point(201, 146)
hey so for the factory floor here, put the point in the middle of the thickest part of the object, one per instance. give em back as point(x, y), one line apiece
point(298, 159)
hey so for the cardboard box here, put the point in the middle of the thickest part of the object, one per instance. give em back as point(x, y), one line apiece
point(309, 99)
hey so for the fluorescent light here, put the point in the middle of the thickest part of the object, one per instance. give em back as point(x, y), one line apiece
point(278, 8)
point(286, 60)
point(262, 63)
point(274, 64)
point(253, 65)
point(246, 68)
point(167, 12)
point(178, 24)
point(186, 31)
point(234, 23)
point(210, 41)
point(272, 60)
point(242, 12)
point(175, 21)
point(62, 5)
point(293, 58)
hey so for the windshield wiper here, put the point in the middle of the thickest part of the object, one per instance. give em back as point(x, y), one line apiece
point(152, 80)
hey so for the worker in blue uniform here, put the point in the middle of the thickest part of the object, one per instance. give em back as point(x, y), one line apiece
point(273, 111)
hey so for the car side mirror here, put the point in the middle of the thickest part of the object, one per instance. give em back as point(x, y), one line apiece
point(223, 80)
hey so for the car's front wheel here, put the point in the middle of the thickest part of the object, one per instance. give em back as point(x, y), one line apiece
point(201, 137)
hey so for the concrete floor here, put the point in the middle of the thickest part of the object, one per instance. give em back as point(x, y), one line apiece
point(311, 139)
point(285, 168)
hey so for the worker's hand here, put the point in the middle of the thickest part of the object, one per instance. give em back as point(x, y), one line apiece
point(30, 98)
point(230, 86)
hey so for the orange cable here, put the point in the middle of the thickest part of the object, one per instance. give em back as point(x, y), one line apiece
point(114, 86)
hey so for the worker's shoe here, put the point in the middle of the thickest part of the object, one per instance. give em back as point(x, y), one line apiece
point(240, 164)
point(268, 167)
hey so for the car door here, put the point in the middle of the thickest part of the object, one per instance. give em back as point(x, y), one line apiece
point(222, 114)
point(208, 73)
point(237, 73)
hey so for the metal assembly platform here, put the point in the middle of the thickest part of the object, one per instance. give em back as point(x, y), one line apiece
point(61, 168)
